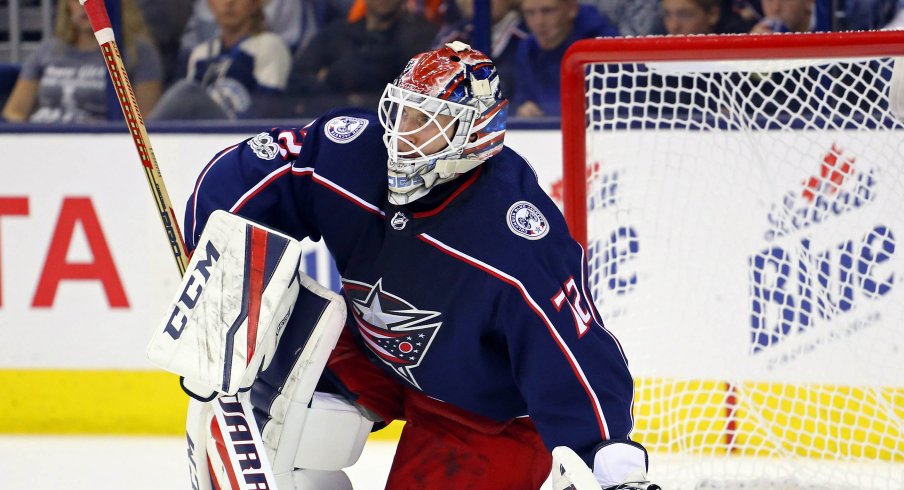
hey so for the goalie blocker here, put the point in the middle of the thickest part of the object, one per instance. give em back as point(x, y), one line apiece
point(250, 335)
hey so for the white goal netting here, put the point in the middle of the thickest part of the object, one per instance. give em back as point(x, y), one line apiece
point(743, 220)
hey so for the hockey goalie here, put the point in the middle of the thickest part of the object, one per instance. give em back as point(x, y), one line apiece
point(255, 419)
point(466, 313)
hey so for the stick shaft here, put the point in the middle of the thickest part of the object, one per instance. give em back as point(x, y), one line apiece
point(124, 94)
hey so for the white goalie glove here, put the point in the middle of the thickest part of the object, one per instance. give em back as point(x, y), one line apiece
point(251, 334)
point(235, 298)
point(617, 465)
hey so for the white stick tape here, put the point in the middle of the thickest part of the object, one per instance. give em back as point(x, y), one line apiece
point(104, 36)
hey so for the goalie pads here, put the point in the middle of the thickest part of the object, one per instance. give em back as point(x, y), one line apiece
point(305, 440)
point(617, 465)
point(321, 433)
point(249, 326)
point(233, 302)
point(328, 436)
point(569, 472)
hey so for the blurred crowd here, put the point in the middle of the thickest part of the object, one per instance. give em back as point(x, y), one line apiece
point(238, 59)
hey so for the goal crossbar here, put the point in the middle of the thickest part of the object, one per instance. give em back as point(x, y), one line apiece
point(693, 48)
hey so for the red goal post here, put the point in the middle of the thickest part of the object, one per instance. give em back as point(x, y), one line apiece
point(741, 202)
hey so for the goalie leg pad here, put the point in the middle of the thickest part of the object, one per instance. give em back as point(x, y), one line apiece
point(333, 434)
point(319, 480)
point(197, 422)
point(617, 465)
point(235, 457)
point(570, 472)
point(283, 393)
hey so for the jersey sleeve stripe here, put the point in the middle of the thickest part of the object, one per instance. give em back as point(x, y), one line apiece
point(254, 190)
point(361, 203)
point(194, 198)
point(575, 367)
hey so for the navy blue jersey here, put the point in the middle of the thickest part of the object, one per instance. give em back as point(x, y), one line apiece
point(474, 295)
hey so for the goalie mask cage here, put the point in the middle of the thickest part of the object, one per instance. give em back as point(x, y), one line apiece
point(741, 199)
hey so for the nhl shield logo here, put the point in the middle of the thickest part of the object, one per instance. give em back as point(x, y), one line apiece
point(344, 129)
point(524, 219)
point(399, 221)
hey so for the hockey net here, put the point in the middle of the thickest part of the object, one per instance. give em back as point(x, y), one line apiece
point(741, 199)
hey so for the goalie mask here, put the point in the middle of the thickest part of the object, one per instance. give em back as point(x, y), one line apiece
point(443, 116)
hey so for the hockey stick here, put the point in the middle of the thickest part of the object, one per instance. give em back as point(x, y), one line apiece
point(103, 31)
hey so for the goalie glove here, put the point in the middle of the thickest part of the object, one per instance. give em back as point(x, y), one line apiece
point(620, 467)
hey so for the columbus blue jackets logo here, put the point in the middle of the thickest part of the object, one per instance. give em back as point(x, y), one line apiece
point(344, 129)
point(395, 331)
point(263, 146)
point(526, 220)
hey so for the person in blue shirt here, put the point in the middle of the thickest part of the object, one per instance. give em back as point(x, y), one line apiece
point(507, 32)
point(240, 73)
point(688, 17)
point(554, 25)
point(468, 313)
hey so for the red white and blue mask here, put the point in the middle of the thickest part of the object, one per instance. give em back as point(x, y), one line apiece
point(443, 116)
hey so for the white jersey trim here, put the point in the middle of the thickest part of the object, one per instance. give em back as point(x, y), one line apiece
point(348, 195)
point(260, 185)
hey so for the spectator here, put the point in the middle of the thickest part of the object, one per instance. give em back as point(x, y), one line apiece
point(897, 22)
point(237, 74)
point(785, 16)
point(65, 79)
point(632, 18)
point(432, 10)
point(292, 20)
point(350, 63)
point(554, 25)
point(861, 15)
point(749, 10)
point(684, 17)
point(166, 20)
point(507, 33)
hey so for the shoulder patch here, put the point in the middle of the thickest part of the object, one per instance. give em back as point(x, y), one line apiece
point(526, 220)
point(344, 129)
point(263, 146)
